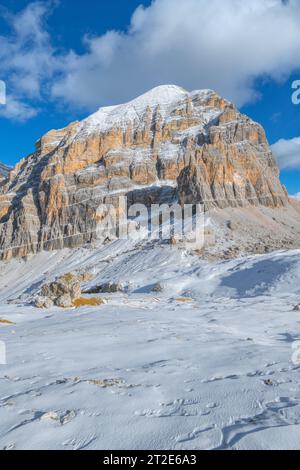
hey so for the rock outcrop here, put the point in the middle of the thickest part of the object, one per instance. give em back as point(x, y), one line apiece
point(54, 197)
point(62, 292)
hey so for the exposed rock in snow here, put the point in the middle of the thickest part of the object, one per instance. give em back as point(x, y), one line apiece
point(107, 287)
point(62, 417)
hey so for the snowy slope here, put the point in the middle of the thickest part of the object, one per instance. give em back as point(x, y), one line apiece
point(206, 363)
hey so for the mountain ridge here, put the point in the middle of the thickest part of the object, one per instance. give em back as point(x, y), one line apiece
point(167, 144)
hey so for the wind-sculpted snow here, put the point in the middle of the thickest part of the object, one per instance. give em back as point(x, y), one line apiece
point(200, 363)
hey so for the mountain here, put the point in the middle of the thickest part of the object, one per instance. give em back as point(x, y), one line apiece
point(4, 171)
point(165, 145)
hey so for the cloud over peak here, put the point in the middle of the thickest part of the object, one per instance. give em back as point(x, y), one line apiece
point(27, 60)
point(195, 44)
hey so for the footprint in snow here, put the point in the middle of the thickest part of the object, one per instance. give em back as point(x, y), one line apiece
point(220, 377)
point(283, 411)
point(10, 446)
point(175, 408)
point(81, 443)
point(201, 438)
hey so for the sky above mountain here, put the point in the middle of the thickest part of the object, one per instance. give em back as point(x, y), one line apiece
point(62, 60)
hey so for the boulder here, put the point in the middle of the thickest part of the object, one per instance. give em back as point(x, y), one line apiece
point(67, 284)
point(106, 288)
point(61, 292)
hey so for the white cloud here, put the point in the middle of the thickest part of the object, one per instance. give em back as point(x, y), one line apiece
point(17, 110)
point(297, 196)
point(287, 153)
point(194, 43)
point(27, 60)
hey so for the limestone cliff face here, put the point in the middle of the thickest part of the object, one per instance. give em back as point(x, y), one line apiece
point(233, 168)
point(140, 149)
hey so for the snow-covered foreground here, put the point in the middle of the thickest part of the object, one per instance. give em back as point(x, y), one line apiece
point(205, 364)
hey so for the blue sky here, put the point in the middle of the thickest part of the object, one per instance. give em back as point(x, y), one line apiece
point(61, 60)
point(67, 23)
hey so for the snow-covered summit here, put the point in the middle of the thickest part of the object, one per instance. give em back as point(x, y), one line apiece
point(167, 97)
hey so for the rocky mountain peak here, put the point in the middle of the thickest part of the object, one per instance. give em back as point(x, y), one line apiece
point(165, 145)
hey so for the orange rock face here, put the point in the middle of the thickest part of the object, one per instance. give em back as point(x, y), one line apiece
point(167, 137)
